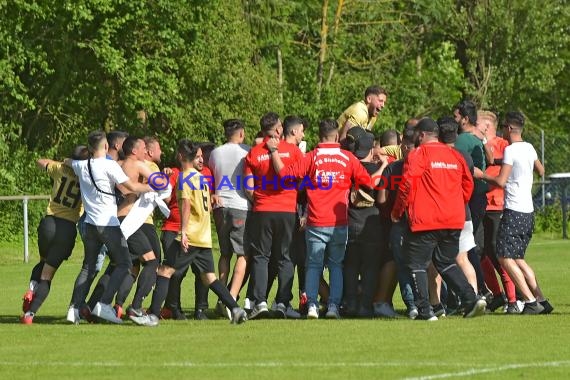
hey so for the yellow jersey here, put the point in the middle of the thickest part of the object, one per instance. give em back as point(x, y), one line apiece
point(357, 115)
point(195, 189)
point(394, 151)
point(65, 198)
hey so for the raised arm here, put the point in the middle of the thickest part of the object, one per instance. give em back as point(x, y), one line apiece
point(42, 163)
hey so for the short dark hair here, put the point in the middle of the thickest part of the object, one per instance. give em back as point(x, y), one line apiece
point(375, 90)
point(427, 125)
point(113, 136)
point(149, 140)
point(80, 152)
point(289, 122)
point(408, 136)
point(94, 140)
point(468, 109)
point(448, 129)
point(411, 123)
point(515, 118)
point(327, 127)
point(389, 136)
point(231, 126)
point(207, 148)
point(268, 121)
point(187, 149)
point(129, 144)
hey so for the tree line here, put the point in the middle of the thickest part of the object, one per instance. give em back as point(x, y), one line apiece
point(178, 68)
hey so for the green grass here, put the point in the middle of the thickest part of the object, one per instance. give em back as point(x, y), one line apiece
point(494, 346)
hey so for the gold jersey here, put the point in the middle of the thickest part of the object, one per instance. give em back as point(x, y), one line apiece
point(357, 116)
point(394, 151)
point(65, 198)
point(195, 189)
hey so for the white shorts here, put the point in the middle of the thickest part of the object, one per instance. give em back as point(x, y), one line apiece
point(466, 239)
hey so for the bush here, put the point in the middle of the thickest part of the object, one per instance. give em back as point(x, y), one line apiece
point(548, 219)
point(21, 177)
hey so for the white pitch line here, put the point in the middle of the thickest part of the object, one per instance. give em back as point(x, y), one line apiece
point(184, 364)
point(479, 371)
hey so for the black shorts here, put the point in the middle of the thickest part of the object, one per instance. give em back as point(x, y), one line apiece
point(515, 232)
point(143, 240)
point(201, 258)
point(56, 239)
point(167, 238)
point(232, 230)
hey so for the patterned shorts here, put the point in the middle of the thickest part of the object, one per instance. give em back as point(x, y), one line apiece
point(515, 232)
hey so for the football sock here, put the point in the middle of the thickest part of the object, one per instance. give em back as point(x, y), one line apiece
point(147, 279)
point(41, 293)
point(224, 294)
point(159, 294)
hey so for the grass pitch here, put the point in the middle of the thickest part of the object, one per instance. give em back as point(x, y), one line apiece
point(494, 346)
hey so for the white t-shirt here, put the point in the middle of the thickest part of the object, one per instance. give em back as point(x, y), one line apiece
point(518, 189)
point(226, 163)
point(101, 209)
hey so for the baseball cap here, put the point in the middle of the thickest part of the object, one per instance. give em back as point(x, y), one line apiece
point(427, 125)
point(363, 144)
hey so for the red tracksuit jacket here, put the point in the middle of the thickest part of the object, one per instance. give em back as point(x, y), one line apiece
point(436, 186)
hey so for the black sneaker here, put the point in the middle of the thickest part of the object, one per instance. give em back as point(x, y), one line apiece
point(476, 309)
point(260, 310)
point(532, 308)
point(438, 310)
point(200, 315)
point(548, 308)
point(513, 308)
point(178, 315)
point(498, 302)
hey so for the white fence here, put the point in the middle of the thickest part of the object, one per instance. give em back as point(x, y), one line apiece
point(24, 199)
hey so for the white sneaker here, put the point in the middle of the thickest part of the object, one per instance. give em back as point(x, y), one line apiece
point(332, 312)
point(248, 304)
point(313, 312)
point(150, 320)
point(106, 312)
point(413, 312)
point(223, 311)
point(73, 315)
point(384, 309)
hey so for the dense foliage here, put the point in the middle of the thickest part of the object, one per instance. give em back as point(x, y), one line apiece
point(179, 68)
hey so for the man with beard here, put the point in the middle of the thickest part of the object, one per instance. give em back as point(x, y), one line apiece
point(363, 113)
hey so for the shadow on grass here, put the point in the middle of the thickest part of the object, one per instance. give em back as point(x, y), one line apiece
point(48, 319)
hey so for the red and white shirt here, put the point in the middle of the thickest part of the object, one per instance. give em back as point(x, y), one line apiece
point(272, 193)
point(327, 174)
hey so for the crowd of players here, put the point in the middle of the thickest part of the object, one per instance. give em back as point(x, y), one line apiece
point(439, 208)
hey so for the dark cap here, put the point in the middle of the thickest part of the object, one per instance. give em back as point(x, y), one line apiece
point(363, 144)
point(427, 125)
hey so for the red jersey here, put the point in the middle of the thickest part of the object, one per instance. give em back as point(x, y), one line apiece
point(209, 177)
point(496, 195)
point(327, 173)
point(172, 223)
point(272, 193)
point(437, 185)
